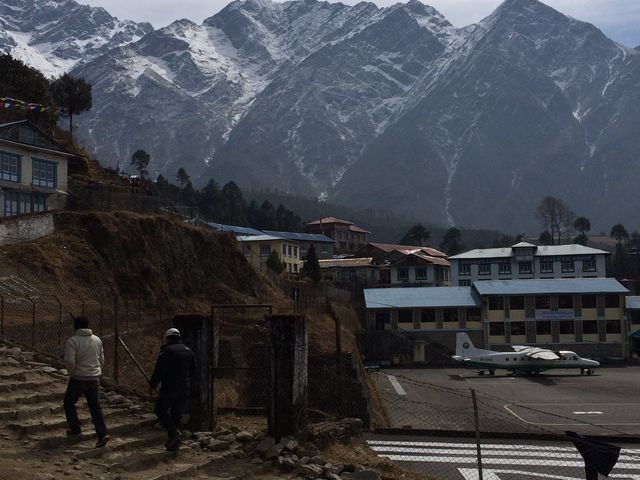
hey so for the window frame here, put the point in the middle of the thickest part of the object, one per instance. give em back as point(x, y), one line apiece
point(464, 269)
point(7, 176)
point(568, 266)
point(484, 269)
point(40, 182)
point(525, 271)
point(546, 266)
point(504, 269)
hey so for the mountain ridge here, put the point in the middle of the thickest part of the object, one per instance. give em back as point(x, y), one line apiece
point(390, 107)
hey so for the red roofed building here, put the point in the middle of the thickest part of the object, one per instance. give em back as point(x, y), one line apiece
point(348, 236)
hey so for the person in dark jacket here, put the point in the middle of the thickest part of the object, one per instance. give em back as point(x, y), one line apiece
point(174, 368)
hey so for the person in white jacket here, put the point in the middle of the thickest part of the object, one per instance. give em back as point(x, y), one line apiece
point(84, 358)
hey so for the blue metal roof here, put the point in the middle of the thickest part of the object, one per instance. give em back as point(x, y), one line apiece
point(633, 303)
point(549, 286)
point(233, 229)
point(302, 237)
point(420, 297)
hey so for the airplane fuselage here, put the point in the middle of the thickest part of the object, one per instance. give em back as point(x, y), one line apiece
point(515, 362)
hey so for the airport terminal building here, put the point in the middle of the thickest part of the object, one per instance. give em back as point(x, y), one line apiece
point(586, 315)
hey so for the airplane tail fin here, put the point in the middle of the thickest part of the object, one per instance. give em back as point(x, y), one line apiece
point(464, 345)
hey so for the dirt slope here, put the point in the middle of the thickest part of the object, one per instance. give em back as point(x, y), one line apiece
point(151, 258)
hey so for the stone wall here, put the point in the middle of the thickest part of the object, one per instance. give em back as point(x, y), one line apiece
point(25, 228)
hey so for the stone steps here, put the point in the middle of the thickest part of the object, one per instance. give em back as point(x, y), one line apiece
point(21, 386)
point(32, 398)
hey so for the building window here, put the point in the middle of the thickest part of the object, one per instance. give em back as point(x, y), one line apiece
point(284, 249)
point(589, 266)
point(295, 268)
point(496, 303)
point(504, 269)
point(611, 301)
point(428, 315)
point(473, 315)
point(525, 268)
point(567, 327)
point(265, 250)
point(39, 202)
point(589, 301)
point(496, 328)
point(403, 275)
point(565, 302)
point(405, 316)
point(543, 302)
point(568, 266)
point(9, 167)
point(289, 250)
point(44, 174)
point(325, 249)
point(613, 326)
point(546, 266)
point(590, 327)
point(295, 251)
point(464, 283)
point(450, 315)
point(543, 327)
point(16, 203)
point(516, 303)
point(346, 275)
point(421, 273)
point(464, 269)
point(484, 269)
point(518, 328)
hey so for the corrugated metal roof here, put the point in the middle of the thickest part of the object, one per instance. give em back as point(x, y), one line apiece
point(420, 297)
point(523, 245)
point(303, 237)
point(233, 229)
point(633, 303)
point(434, 260)
point(328, 220)
point(346, 262)
point(545, 250)
point(406, 249)
point(354, 228)
point(549, 286)
point(258, 238)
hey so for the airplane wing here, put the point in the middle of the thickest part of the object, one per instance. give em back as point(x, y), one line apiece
point(536, 353)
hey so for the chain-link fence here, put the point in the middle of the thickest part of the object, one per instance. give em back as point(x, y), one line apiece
point(451, 424)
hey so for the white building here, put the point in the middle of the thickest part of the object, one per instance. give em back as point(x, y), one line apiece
point(525, 261)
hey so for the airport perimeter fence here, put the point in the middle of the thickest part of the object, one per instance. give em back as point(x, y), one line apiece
point(132, 335)
point(454, 431)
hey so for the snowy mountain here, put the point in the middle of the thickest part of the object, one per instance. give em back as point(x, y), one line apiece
point(390, 107)
point(54, 35)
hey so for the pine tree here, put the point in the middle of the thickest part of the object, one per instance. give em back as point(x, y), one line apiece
point(140, 160)
point(73, 95)
point(312, 266)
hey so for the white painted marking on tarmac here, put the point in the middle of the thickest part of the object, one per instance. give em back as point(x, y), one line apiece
point(485, 446)
point(495, 461)
point(396, 385)
point(587, 413)
point(472, 474)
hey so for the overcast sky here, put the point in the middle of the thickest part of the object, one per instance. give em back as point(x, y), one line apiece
point(619, 19)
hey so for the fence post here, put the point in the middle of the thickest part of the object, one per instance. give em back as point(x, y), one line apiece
point(59, 319)
point(288, 379)
point(33, 323)
point(477, 426)
point(2, 316)
point(116, 341)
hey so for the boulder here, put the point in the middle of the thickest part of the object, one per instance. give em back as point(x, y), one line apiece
point(310, 471)
point(243, 436)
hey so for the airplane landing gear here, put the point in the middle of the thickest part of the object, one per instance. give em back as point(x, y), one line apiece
point(588, 371)
point(492, 372)
point(481, 372)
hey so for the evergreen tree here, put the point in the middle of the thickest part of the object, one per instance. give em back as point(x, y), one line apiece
point(274, 263)
point(140, 160)
point(21, 82)
point(581, 225)
point(73, 95)
point(266, 217)
point(211, 201)
point(234, 205)
point(312, 266)
point(182, 177)
point(451, 242)
point(417, 235)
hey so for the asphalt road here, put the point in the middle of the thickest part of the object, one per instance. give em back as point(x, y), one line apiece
point(607, 403)
point(449, 459)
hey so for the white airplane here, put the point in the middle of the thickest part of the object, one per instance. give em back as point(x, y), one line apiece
point(523, 359)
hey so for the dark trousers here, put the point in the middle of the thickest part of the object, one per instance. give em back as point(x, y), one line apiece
point(90, 389)
point(169, 408)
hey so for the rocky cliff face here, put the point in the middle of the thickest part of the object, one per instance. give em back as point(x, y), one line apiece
point(389, 107)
